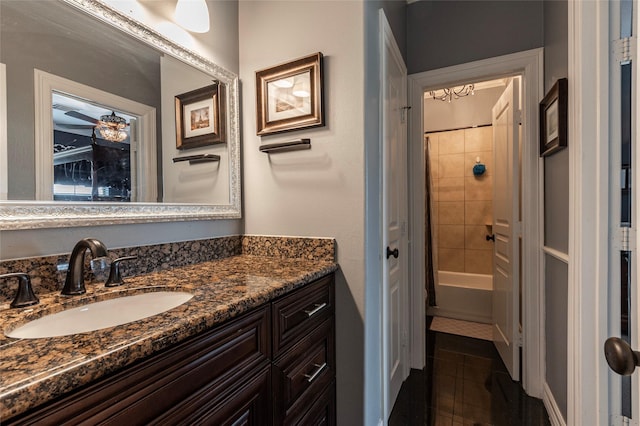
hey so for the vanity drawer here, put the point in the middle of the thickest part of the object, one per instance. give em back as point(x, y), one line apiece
point(302, 373)
point(323, 410)
point(295, 315)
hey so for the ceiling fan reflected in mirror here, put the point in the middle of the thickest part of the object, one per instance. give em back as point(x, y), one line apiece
point(110, 126)
point(72, 114)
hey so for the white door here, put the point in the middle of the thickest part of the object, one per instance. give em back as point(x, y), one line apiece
point(394, 211)
point(624, 299)
point(506, 330)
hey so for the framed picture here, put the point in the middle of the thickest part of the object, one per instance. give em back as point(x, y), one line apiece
point(553, 119)
point(201, 117)
point(289, 96)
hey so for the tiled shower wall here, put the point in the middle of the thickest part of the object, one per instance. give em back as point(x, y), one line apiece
point(462, 202)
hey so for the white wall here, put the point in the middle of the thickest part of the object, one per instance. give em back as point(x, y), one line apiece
point(472, 110)
point(219, 45)
point(319, 192)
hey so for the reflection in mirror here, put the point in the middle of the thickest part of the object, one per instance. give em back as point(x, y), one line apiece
point(74, 115)
point(57, 57)
point(91, 151)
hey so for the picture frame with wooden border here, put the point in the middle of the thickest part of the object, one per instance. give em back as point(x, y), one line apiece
point(201, 117)
point(289, 96)
point(553, 119)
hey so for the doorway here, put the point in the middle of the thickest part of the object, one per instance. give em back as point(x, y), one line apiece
point(528, 65)
point(472, 135)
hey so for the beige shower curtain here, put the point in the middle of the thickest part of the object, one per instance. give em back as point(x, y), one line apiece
point(431, 228)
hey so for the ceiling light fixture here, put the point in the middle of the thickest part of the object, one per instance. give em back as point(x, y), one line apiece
point(192, 15)
point(449, 94)
point(111, 127)
point(301, 87)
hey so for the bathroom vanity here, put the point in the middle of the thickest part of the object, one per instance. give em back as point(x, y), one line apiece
point(255, 345)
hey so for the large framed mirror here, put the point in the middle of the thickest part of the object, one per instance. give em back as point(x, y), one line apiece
point(88, 117)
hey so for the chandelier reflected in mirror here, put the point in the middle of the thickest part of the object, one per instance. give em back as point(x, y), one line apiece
point(111, 127)
point(451, 93)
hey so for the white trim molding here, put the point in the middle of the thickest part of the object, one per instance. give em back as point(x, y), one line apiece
point(4, 164)
point(557, 254)
point(528, 64)
point(555, 415)
point(587, 376)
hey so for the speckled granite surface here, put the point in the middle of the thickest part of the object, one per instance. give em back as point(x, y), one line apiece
point(47, 276)
point(35, 371)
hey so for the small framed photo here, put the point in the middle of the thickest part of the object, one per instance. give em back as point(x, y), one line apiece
point(553, 119)
point(289, 96)
point(201, 117)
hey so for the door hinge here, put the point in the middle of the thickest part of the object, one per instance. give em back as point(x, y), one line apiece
point(624, 50)
point(405, 340)
point(618, 420)
point(626, 239)
point(517, 116)
point(403, 228)
point(403, 113)
point(517, 229)
point(519, 340)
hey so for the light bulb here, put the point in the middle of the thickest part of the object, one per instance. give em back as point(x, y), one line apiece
point(192, 15)
point(301, 87)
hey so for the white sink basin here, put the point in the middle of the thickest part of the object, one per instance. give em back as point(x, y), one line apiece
point(99, 315)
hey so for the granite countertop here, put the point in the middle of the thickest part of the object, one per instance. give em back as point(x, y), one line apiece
point(33, 371)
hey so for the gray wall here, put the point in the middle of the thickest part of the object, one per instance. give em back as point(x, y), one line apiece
point(445, 33)
point(556, 212)
point(556, 276)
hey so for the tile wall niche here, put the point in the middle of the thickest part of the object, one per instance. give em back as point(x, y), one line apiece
point(462, 208)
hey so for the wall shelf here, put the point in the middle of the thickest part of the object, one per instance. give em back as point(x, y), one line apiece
point(196, 159)
point(286, 146)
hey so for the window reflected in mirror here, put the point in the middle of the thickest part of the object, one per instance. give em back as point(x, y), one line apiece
point(92, 156)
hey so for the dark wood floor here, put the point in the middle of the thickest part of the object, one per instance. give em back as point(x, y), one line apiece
point(464, 383)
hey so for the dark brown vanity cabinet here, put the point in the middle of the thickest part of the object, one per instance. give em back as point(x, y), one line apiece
point(304, 353)
point(272, 365)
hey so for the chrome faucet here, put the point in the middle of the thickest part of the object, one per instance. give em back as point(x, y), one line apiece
point(74, 283)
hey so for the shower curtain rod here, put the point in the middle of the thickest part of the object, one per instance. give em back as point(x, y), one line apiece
point(459, 128)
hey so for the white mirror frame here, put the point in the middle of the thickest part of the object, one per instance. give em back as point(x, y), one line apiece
point(16, 215)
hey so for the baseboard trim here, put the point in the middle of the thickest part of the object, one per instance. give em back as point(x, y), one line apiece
point(555, 415)
point(437, 311)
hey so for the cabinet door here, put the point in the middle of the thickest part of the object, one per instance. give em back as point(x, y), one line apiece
point(173, 384)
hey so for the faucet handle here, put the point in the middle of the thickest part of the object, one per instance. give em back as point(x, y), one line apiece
point(24, 295)
point(115, 279)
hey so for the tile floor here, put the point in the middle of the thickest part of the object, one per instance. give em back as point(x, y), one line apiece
point(462, 328)
point(464, 383)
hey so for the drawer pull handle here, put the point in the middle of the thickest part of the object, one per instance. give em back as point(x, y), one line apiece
point(315, 310)
point(319, 368)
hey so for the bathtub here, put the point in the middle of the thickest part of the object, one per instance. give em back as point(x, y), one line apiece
point(463, 296)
